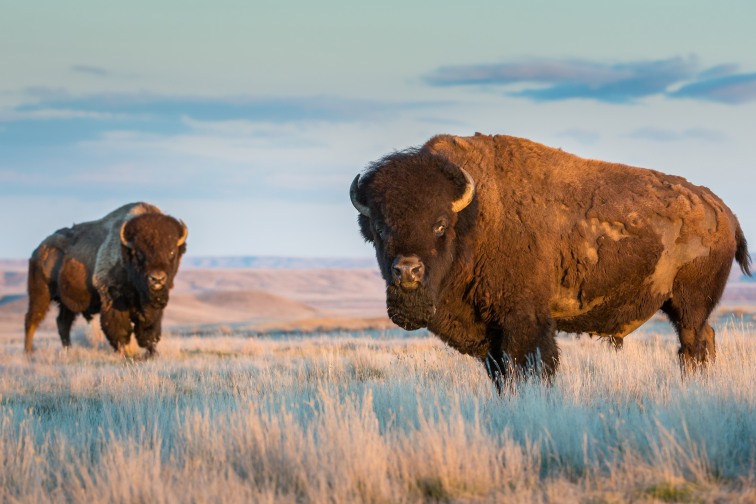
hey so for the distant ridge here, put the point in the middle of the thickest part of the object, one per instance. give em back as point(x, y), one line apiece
point(274, 262)
point(234, 262)
point(14, 264)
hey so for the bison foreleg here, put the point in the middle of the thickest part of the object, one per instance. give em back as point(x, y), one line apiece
point(65, 320)
point(116, 325)
point(147, 329)
point(500, 370)
point(521, 350)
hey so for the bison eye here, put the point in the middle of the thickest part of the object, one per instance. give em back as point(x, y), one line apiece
point(439, 229)
point(380, 230)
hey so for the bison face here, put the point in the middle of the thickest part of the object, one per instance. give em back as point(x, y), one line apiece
point(152, 246)
point(409, 206)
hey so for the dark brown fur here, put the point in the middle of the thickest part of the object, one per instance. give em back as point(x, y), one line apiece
point(550, 242)
point(86, 269)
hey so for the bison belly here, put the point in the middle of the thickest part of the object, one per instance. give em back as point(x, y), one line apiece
point(611, 280)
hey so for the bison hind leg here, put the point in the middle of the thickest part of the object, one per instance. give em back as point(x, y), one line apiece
point(39, 302)
point(65, 320)
point(696, 290)
point(693, 298)
point(697, 345)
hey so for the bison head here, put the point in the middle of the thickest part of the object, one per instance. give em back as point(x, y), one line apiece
point(152, 245)
point(410, 204)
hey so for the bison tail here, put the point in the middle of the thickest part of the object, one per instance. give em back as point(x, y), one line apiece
point(741, 254)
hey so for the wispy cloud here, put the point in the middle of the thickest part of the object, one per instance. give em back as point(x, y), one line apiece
point(91, 70)
point(731, 89)
point(560, 80)
point(52, 116)
point(46, 114)
point(228, 108)
point(145, 155)
point(553, 80)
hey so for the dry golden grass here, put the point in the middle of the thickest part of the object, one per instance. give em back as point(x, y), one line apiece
point(372, 418)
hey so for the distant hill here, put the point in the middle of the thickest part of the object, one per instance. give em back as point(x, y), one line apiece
point(273, 262)
point(234, 262)
point(247, 295)
point(14, 264)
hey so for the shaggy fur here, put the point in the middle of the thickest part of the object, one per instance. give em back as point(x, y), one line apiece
point(86, 269)
point(550, 242)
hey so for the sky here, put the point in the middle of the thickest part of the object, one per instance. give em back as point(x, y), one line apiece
point(249, 120)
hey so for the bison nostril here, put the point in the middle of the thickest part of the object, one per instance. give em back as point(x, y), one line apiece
point(408, 269)
point(416, 271)
point(157, 280)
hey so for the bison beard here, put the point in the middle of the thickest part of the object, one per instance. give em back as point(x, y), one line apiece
point(158, 300)
point(148, 298)
point(409, 310)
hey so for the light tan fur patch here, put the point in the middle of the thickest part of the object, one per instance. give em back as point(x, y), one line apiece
point(678, 251)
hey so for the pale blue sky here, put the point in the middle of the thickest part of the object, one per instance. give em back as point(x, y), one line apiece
point(250, 119)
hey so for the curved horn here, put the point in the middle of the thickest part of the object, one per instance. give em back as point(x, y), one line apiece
point(124, 242)
point(184, 234)
point(464, 200)
point(363, 209)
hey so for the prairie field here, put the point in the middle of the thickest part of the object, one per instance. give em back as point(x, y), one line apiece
point(372, 416)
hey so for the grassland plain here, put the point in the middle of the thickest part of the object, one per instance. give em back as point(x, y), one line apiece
point(372, 418)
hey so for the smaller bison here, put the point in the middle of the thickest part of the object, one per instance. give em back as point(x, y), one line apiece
point(494, 243)
point(121, 266)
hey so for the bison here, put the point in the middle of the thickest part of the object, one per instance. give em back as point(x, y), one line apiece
point(121, 266)
point(495, 242)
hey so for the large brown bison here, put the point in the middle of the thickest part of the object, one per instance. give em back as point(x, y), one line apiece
point(121, 266)
point(495, 242)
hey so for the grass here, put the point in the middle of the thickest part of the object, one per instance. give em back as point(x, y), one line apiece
point(366, 418)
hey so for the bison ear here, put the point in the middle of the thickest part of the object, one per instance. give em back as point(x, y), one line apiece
point(184, 234)
point(124, 241)
point(460, 204)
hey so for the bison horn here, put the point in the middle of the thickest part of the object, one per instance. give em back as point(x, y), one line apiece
point(363, 209)
point(184, 234)
point(125, 242)
point(461, 203)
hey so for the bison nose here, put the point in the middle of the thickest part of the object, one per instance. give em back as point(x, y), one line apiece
point(408, 271)
point(157, 279)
